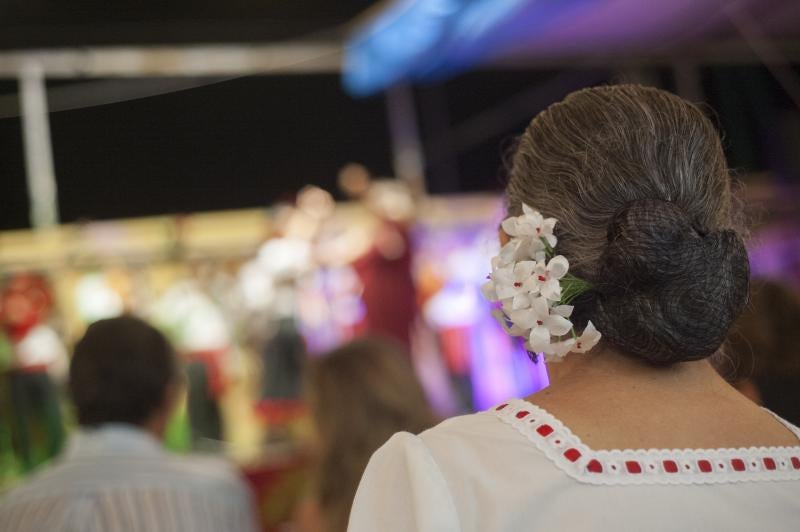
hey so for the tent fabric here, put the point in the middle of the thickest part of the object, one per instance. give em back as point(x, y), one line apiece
point(428, 40)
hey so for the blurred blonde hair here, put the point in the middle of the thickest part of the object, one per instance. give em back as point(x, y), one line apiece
point(763, 341)
point(360, 394)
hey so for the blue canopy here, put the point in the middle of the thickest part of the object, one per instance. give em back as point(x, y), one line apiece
point(424, 40)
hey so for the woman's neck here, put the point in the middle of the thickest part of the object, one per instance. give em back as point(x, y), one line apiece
point(612, 401)
point(608, 368)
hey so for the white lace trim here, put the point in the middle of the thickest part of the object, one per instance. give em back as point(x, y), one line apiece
point(648, 466)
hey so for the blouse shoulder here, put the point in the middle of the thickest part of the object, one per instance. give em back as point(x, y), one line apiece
point(403, 489)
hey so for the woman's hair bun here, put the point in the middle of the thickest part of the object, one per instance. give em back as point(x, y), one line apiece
point(667, 290)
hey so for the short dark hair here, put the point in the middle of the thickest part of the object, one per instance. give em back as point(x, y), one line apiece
point(120, 372)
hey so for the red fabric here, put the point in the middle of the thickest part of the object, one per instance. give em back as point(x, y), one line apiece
point(456, 349)
point(277, 488)
point(572, 454)
point(704, 466)
point(633, 467)
point(670, 466)
point(595, 467)
point(522, 413)
point(545, 430)
point(738, 464)
point(280, 411)
point(213, 362)
point(389, 294)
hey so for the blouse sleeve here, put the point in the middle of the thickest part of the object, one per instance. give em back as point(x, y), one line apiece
point(403, 490)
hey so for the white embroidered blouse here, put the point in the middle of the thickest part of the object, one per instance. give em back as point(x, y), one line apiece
point(518, 468)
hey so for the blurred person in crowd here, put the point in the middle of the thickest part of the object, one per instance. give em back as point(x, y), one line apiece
point(359, 394)
point(200, 331)
point(385, 270)
point(270, 283)
point(33, 365)
point(114, 474)
point(620, 262)
point(763, 355)
point(384, 267)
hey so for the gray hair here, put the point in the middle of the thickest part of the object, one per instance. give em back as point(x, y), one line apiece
point(638, 181)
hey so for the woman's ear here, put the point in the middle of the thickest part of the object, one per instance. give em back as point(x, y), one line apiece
point(504, 238)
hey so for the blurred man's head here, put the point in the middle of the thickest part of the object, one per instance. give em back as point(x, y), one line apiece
point(123, 371)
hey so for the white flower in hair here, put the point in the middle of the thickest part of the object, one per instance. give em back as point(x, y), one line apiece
point(520, 249)
point(560, 349)
point(515, 282)
point(548, 276)
point(588, 339)
point(510, 328)
point(534, 287)
point(541, 322)
point(531, 224)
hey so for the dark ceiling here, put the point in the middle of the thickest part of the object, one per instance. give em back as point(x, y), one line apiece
point(52, 23)
point(251, 141)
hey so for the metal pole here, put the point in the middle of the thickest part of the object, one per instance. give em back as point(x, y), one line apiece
point(42, 189)
point(408, 158)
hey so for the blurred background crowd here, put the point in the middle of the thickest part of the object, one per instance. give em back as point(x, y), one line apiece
point(266, 182)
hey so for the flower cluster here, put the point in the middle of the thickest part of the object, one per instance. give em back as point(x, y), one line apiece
point(534, 289)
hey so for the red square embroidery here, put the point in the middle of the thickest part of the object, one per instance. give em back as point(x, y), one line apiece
point(704, 466)
point(795, 462)
point(594, 467)
point(501, 407)
point(769, 463)
point(633, 467)
point(572, 454)
point(738, 464)
point(670, 466)
point(522, 413)
point(545, 430)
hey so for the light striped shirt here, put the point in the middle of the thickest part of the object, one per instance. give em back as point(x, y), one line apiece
point(119, 478)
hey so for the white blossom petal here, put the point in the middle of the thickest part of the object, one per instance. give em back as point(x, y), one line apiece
point(588, 339)
point(531, 286)
point(551, 289)
point(524, 269)
point(508, 253)
point(558, 267)
point(520, 301)
point(563, 310)
point(488, 291)
point(505, 291)
point(503, 275)
point(557, 325)
point(525, 318)
point(558, 350)
point(540, 307)
point(509, 226)
point(526, 226)
point(539, 340)
point(535, 245)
